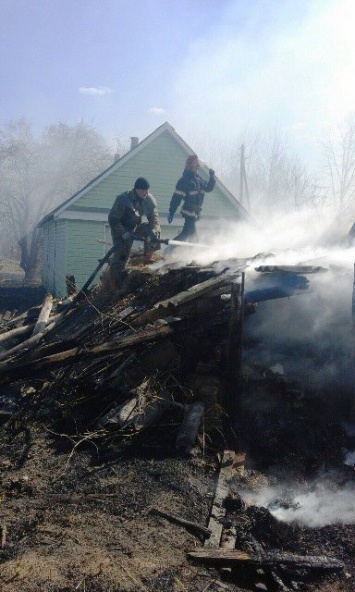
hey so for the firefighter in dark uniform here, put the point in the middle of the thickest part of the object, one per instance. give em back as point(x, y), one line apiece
point(125, 220)
point(191, 189)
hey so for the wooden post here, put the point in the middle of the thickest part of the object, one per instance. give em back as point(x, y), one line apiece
point(234, 350)
point(70, 284)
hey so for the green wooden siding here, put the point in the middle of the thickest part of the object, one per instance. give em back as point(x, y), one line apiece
point(83, 249)
point(54, 256)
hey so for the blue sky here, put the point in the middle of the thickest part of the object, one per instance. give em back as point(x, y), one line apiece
point(209, 67)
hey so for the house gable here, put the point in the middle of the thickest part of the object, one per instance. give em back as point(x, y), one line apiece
point(160, 158)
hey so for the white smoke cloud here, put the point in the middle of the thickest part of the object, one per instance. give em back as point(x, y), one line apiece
point(318, 507)
point(292, 237)
point(349, 457)
point(157, 110)
point(310, 334)
point(96, 91)
point(258, 73)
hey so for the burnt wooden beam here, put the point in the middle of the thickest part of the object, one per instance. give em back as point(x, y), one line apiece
point(226, 557)
point(16, 320)
point(17, 332)
point(77, 352)
point(170, 305)
point(9, 367)
point(290, 268)
point(122, 367)
point(232, 464)
point(119, 415)
point(44, 314)
point(149, 411)
point(33, 340)
point(197, 528)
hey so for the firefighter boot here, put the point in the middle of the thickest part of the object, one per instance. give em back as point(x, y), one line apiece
point(148, 257)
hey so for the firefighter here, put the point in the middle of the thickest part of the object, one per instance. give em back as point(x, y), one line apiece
point(125, 220)
point(191, 189)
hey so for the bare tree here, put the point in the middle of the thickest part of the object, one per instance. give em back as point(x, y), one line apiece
point(277, 178)
point(39, 173)
point(339, 166)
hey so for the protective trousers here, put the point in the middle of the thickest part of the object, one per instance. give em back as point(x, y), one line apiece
point(120, 258)
point(121, 254)
point(188, 231)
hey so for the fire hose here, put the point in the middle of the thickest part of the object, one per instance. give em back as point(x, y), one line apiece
point(170, 241)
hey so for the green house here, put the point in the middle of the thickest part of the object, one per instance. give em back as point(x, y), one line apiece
point(76, 233)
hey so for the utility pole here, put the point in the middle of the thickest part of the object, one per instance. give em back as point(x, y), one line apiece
point(243, 182)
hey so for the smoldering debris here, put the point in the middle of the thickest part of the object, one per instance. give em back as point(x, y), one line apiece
point(121, 374)
point(320, 504)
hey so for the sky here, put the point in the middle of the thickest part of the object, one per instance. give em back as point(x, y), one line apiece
point(209, 67)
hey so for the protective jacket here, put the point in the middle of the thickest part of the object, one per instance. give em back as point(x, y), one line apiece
point(127, 211)
point(191, 189)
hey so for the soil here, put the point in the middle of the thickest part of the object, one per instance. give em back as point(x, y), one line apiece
point(76, 509)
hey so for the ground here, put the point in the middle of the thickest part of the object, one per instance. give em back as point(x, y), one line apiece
point(73, 524)
point(73, 521)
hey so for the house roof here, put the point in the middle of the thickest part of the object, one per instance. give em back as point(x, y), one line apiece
point(56, 212)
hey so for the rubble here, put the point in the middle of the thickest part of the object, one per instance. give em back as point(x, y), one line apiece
point(138, 408)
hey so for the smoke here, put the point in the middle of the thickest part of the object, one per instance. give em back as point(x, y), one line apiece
point(289, 64)
point(349, 429)
point(349, 458)
point(320, 506)
point(287, 238)
point(309, 336)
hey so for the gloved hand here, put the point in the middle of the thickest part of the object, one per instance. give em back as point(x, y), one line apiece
point(154, 235)
point(126, 236)
point(211, 173)
point(170, 217)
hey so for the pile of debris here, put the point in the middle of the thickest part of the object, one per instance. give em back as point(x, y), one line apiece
point(159, 366)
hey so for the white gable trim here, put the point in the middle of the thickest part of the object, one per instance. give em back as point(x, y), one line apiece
point(68, 215)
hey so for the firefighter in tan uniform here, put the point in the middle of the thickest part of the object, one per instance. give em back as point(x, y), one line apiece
point(125, 220)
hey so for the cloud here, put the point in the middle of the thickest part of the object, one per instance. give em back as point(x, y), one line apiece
point(157, 110)
point(97, 91)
